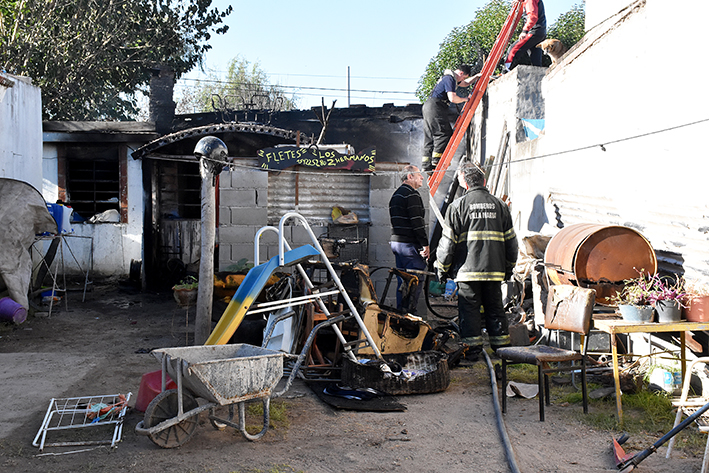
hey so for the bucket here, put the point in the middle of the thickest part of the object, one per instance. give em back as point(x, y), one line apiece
point(599, 257)
point(697, 309)
point(151, 386)
point(11, 311)
point(668, 311)
point(636, 313)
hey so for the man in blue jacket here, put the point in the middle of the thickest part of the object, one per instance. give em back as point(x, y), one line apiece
point(478, 247)
point(437, 129)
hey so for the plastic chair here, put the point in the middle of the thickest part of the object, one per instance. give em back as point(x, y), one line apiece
point(569, 308)
point(686, 406)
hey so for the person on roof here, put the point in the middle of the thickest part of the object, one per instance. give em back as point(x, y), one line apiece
point(437, 130)
point(524, 50)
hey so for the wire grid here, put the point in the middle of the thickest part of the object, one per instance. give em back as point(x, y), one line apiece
point(68, 414)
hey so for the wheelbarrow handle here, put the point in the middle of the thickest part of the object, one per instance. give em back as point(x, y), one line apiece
point(630, 464)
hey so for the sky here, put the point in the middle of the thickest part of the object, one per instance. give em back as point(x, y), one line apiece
point(310, 47)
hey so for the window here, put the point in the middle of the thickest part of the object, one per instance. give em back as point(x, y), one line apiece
point(92, 180)
point(180, 186)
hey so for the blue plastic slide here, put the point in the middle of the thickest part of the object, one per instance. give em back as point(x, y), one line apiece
point(248, 291)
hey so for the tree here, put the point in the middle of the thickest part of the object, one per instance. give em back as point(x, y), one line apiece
point(569, 28)
point(470, 44)
point(91, 57)
point(246, 87)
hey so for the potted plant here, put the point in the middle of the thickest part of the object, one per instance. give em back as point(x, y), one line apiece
point(696, 301)
point(634, 301)
point(667, 296)
point(185, 293)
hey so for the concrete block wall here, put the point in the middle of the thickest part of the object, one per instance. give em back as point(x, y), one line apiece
point(243, 209)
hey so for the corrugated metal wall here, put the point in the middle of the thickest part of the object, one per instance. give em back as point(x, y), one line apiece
point(674, 231)
point(314, 193)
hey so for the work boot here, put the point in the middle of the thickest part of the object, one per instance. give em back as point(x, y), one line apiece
point(434, 162)
point(471, 356)
point(426, 164)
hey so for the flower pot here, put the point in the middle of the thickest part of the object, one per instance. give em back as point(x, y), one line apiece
point(185, 297)
point(636, 313)
point(668, 311)
point(697, 309)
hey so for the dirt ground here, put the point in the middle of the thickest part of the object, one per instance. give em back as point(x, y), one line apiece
point(101, 346)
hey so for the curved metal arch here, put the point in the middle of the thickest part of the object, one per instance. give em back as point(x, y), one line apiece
point(198, 132)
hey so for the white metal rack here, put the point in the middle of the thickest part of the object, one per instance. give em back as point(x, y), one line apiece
point(103, 413)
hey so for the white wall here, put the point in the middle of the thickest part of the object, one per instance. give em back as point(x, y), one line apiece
point(114, 244)
point(630, 89)
point(597, 11)
point(20, 130)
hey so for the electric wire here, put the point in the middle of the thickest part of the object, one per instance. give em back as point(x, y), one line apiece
point(601, 145)
point(334, 89)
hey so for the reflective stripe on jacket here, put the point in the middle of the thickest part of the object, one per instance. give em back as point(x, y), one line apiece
point(478, 242)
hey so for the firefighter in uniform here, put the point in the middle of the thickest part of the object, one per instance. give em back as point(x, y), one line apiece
point(479, 248)
point(437, 130)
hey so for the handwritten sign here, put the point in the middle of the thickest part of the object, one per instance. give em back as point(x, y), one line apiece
point(314, 157)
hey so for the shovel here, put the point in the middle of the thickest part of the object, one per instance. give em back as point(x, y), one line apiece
point(627, 463)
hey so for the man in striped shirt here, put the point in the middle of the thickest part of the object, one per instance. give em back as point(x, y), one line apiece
point(409, 239)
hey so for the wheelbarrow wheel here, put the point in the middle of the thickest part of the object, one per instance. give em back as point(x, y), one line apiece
point(165, 407)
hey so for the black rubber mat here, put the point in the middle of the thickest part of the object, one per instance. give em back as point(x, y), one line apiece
point(342, 397)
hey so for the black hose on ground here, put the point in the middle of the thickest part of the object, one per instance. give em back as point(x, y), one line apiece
point(509, 453)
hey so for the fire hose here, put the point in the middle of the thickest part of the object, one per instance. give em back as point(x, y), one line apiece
point(509, 453)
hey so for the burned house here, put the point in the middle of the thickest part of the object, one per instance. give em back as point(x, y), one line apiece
point(571, 145)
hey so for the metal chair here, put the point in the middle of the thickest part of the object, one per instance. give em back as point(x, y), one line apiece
point(686, 406)
point(569, 308)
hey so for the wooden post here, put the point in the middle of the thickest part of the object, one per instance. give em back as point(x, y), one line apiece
point(213, 156)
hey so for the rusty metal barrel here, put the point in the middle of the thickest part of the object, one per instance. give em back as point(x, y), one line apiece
point(598, 257)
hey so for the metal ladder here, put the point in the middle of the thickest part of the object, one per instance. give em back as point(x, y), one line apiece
point(315, 295)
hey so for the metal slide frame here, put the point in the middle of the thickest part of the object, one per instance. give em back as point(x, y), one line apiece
point(315, 296)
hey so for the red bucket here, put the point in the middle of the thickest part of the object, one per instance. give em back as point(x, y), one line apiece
point(11, 311)
point(150, 386)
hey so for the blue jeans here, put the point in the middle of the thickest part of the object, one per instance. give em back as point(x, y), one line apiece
point(407, 257)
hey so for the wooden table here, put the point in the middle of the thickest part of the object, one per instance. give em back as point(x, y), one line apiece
point(614, 327)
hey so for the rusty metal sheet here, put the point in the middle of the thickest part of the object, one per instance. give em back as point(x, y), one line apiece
point(315, 192)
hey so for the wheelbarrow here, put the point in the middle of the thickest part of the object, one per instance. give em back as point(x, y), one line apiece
point(208, 377)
